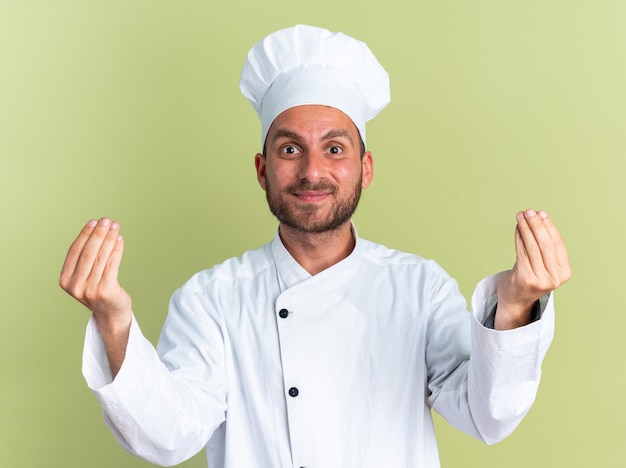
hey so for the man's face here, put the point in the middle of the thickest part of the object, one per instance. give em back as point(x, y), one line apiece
point(313, 171)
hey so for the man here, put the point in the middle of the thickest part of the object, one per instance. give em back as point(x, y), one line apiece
point(320, 349)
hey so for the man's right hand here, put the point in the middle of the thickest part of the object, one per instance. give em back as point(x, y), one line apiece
point(90, 274)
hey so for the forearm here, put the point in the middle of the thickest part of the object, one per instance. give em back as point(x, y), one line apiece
point(487, 395)
point(504, 374)
point(114, 333)
point(153, 413)
point(505, 365)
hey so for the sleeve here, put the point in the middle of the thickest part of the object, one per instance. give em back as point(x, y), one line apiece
point(484, 381)
point(505, 366)
point(163, 407)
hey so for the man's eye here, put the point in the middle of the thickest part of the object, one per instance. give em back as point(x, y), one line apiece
point(335, 150)
point(290, 149)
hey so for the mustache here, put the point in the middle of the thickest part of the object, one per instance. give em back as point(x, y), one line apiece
point(305, 186)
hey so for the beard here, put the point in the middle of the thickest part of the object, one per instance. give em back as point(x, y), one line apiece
point(305, 217)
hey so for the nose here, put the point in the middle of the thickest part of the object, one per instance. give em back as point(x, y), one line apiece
point(312, 167)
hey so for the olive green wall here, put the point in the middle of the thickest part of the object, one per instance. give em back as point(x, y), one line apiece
point(131, 109)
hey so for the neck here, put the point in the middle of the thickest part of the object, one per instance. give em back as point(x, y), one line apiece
point(317, 251)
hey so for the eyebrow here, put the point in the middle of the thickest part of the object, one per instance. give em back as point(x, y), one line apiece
point(284, 133)
point(338, 133)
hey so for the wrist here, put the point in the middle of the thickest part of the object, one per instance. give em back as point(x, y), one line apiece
point(113, 324)
point(513, 315)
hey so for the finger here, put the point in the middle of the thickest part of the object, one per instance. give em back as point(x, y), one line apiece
point(522, 263)
point(538, 243)
point(520, 248)
point(102, 257)
point(89, 253)
point(550, 243)
point(111, 270)
point(74, 252)
point(526, 244)
point(559, 244)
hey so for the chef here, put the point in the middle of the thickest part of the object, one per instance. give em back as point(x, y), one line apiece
point(319, 349)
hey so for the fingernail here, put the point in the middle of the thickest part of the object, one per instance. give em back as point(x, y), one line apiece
point(530, 213)
point(543, 214)
point(114, 225)
point(92, 223)
point(105, 221)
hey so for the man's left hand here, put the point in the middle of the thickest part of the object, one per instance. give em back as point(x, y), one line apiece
point(541, 266)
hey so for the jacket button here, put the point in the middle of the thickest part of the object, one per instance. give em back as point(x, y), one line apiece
point(283, 313)
point(293, 391)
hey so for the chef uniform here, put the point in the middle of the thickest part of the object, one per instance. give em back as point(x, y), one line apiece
point(268, 366)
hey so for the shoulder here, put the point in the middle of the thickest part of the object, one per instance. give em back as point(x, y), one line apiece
point(251, 265)
point(382, 255)
point(406, 277)
point(406, 265)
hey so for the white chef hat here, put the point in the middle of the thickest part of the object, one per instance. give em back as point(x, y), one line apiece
point(309, 65)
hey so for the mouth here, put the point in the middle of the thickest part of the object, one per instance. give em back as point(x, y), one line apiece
point(311, 196)
point(312, 193)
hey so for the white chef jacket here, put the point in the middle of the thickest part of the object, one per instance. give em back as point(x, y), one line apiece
point(268, 366)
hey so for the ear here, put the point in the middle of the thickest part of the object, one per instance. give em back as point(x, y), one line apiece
point(367, 166)
point(259, 164)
